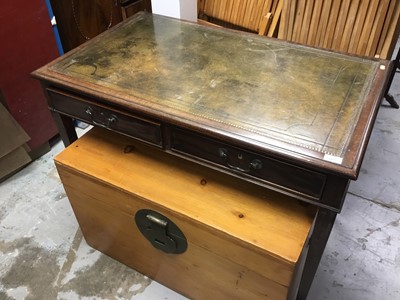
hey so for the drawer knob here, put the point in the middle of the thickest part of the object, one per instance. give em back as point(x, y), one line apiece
point(89, 111)
point(223, 153)
point(100, 118)
point(112, 119)
point(255, 164)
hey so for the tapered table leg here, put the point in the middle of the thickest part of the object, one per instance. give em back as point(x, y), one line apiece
point(322, 228)
point(66, 128)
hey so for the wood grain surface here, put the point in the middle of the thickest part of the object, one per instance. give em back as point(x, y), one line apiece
point(243, 241)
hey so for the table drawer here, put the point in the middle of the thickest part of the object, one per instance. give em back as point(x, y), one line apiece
point(287, 177)
point(95, 114)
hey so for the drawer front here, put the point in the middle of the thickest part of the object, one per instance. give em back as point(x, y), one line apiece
point(77, 107)
point(281, 175)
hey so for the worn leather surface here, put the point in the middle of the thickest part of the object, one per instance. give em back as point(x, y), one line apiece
point(306, 97)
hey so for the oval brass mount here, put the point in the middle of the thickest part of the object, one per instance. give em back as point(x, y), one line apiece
point(162, 233)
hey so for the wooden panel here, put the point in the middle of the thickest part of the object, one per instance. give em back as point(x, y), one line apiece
point(388, 20)
point(200, 6)
point(392, 34)
point(348, 26)
point(316, 15)
point(197, 273)
point(80, 20)
point(284, 22)
point(353, 26)
point(331, 24)
point(12, 135)
point(248, 14)
point(13, 154)
point(234, 229)
point(340, 24)
point(272, 32)
point(292, 14)
point(377, 28)
point(298, 20)
point(131, 7)
point(366, 30)
point(13, 161)
point(305, 27)
point(265, 23)
point(323, 24)
point(357, 27)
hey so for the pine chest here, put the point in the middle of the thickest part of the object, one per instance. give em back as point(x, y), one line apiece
point(204, 234)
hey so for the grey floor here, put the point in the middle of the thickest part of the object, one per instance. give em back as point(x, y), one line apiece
point(44, 256)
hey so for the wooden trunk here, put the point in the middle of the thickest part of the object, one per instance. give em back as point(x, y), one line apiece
point(243, 241)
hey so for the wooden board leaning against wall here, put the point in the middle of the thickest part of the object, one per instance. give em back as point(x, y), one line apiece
point(362, 27)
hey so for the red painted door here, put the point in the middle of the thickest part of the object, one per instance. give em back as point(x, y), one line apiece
point(26, 43)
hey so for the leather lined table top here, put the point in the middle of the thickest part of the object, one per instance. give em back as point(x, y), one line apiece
point(279, 94)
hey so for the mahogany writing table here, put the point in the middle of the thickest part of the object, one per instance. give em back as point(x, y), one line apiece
point(288, 117)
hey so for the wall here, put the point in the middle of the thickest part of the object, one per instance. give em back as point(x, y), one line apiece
point(180, 9)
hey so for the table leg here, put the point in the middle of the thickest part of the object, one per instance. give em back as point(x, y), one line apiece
point(389, 98)
point(322, 228)
point(66, 128)
point(396, 65)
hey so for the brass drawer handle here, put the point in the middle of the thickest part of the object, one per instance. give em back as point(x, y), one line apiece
point(255, 164)
point(102, 119)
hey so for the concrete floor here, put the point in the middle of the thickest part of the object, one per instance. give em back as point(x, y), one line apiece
point(44, 256)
